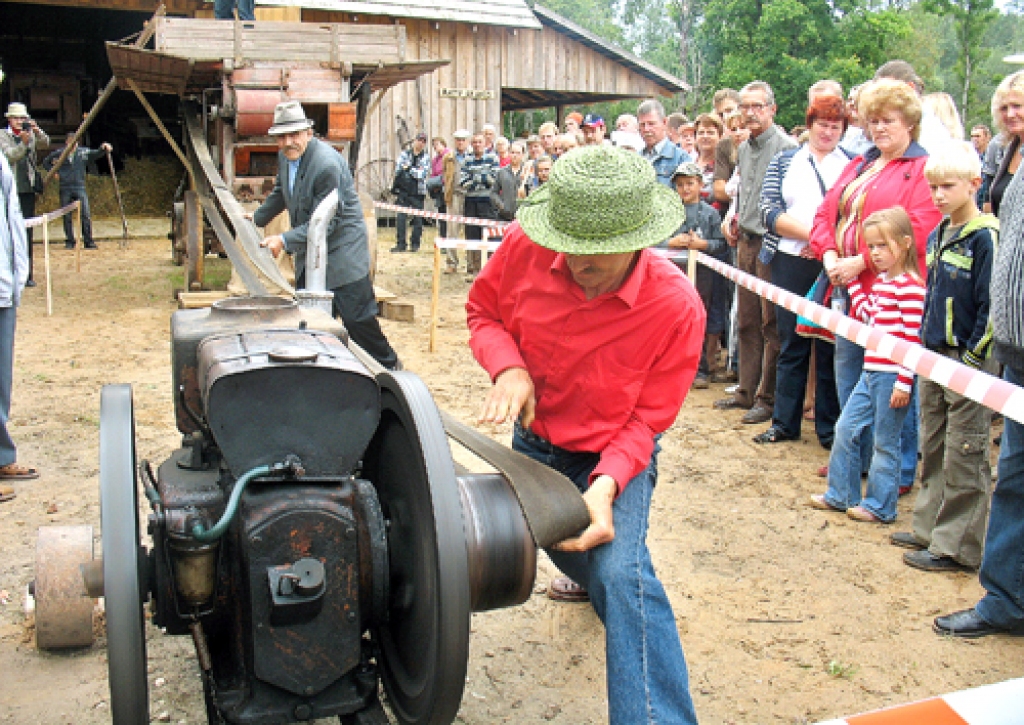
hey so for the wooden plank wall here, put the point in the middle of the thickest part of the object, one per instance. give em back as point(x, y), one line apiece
point(483, 57)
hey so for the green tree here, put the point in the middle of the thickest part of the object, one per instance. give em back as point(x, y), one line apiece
point(971, 19)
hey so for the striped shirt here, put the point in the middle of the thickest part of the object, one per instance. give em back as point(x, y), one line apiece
point(894, 306)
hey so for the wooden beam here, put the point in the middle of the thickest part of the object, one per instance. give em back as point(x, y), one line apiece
point(163, 129)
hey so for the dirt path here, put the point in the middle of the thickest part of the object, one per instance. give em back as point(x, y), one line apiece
point(787, 615)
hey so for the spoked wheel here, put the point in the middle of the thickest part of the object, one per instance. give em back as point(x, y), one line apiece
point(375, 178)
point(424, 640)
point(122, 575)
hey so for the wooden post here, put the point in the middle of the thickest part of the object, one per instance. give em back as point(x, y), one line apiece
point(46, 258)
point(435, 286)
point(691, 265)
point(76, 224)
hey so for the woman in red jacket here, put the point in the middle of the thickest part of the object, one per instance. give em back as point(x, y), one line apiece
point(890, 173)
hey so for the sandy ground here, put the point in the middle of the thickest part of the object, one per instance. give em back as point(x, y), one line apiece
point(787, 615)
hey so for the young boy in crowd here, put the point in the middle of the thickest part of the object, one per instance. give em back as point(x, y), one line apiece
point(702, 232)
point(952, 507)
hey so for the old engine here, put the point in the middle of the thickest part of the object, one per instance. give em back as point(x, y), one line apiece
point(312, 534)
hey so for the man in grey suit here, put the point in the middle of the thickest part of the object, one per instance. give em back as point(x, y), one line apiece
point(308, 170)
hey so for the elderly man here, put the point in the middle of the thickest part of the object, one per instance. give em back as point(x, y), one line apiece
point(72, 175)
point(454, 195)
point(309, 170)
point(13, 274)
point(627, 122)
point(479, 172)
point(592, 342)
point(664, 155)
point(758, 333)
point(21, 142)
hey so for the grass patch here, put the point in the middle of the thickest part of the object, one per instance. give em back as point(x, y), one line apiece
point(840, 670)
point(216, 274)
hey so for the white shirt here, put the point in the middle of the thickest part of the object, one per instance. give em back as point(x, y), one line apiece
point(802, 192)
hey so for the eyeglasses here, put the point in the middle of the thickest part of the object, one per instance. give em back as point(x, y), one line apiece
point(755, 107)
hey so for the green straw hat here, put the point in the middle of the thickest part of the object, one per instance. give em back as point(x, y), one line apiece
point(601, 200)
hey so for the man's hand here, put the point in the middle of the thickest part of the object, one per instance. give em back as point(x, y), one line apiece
point(599, 499)
point(275, 244)
point(511, 397)
point(26, 136)
point(899, 399)
point(727, 233)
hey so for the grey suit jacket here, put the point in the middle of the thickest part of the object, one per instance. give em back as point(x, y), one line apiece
point(321, 170)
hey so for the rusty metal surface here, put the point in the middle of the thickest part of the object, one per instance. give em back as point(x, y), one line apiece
point(63, 609)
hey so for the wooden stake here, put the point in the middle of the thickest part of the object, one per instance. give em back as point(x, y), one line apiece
point(435, 291)
point(76, 224)
point(46, 257)
point(691, 265)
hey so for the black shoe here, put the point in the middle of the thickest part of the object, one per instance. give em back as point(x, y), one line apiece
point(91, 245)
point(927, 561)
point(729, 404)
point(757, 414)
point(30, 283)
point(773, 435)
point(69, 245)
point(415, 248)
point(968, 624)
point(397, 249)
point(907, 540)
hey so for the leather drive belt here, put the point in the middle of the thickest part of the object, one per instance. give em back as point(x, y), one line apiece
point(551, 503)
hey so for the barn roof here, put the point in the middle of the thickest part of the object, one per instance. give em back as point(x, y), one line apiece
point(510, 13)
point(638, 65)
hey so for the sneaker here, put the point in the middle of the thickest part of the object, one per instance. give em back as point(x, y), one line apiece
point(91, 245)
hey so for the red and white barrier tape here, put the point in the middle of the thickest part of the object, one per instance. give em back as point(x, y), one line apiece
point(471, 245)
point(495, 227)
point(977, 385)
point(38, 221)
point(997, 704)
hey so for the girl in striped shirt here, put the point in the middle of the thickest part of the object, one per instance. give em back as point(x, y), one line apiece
point(894, 305)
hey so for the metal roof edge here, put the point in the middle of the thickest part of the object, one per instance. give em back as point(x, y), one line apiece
point(484, 13)
point(568, 27)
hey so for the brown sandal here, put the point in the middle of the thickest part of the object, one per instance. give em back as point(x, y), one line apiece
point(17, 472)
point(564, 589)
point(7, 493)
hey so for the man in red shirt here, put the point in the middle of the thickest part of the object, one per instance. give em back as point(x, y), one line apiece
point(592, 343)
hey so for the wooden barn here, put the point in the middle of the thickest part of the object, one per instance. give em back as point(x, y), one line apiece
point(504, 56)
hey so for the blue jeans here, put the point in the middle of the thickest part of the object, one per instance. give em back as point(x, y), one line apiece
point(222, 9)
point(8, 320)
point(866, 411)
point(849, 361)
point(1002, 566)
point(646, 670)
point(68, 195)
point(796, 274)
point(412, 201)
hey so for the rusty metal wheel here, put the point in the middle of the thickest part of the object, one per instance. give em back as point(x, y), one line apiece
point(123, 575)
point(63, 608)
point(374, 178)
point(424, 640)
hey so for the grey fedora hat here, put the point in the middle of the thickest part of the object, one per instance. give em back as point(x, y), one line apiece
point(289, 117)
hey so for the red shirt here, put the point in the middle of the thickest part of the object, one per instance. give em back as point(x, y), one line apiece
point(609, 373)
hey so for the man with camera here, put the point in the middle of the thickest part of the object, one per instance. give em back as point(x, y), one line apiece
point(20, 142)
point(410, 189)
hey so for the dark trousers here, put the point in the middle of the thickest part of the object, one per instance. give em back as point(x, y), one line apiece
point(356, 305)
point(28, 210)
point(222, 9)
point(413, 201)
point(796, 274)
point(758, 334)
point(442, 208)
point(68, 195)
point(478, 207)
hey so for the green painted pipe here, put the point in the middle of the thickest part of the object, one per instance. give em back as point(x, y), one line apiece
point(199, 532)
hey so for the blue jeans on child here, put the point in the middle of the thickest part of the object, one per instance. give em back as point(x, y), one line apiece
point(867, 411)
point(849, 362)
point(646, 671)
point(1002, 566)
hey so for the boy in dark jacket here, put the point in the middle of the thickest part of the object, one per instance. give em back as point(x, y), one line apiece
point(952, 508)
point(701, 231)
point(72, 187)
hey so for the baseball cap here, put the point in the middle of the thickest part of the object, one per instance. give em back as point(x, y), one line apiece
point(421, 136)
point(592, 119)
point(687, 168)
point(462, 133)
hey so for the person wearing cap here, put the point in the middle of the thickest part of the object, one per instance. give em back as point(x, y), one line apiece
point(593, 130)
point(701, 231)
point(454, 195)
point(72, 175)
point(664, 155)
point(309, 170)
point(13, 275)
point(479, 171)
point(410, 187)
point(21, 142)
point(592, 341)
